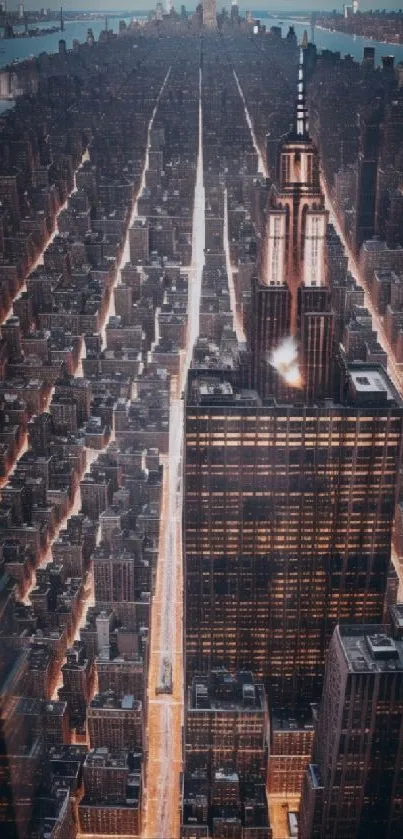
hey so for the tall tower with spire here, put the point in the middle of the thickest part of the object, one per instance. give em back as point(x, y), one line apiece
point(298, 191)
point(292, 271)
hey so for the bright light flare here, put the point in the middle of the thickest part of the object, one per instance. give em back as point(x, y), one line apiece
point(284, 359)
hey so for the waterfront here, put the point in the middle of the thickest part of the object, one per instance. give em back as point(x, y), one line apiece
point(339, 41)
point(19, 48)
point(16, 49)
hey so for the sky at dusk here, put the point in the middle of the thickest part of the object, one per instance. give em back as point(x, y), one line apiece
point(269, 5)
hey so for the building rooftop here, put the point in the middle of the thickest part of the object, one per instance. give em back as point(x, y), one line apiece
point(367, 384)
point(370, 649)
point(397, 614)
point(109, 700)
point(299, 720)
point(223, 692)
point(370, 381)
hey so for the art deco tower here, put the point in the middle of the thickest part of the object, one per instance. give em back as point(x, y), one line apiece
point(289, 492)
point(290, 297)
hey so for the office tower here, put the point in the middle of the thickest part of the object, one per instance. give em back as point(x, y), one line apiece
point(11, 333)
point(139, 236)
point(369, 58)
point(209, 14)
point(122, 674)
point(112, 801)
point(21, 750)
point(114, 575)
point(55, 723)
point(289, 297)
point(355, 787)
point(226, 724)
point(78, 676)
point(11, 191)
point(388, 64)
point(368, 173)
point(226, 730)
point(234, 13)
point(288, 512)
point(290, 751)
point(388, 194)
point(95, 491)
point(226, 807)
point(396, 621)
point(115, 722)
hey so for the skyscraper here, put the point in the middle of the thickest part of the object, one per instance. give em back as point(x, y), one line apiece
point(290, 295)
point(370, 129)
point(234, 13)
point(226, 724)
point(290, 487)
point(355, 787)
point(287, 524)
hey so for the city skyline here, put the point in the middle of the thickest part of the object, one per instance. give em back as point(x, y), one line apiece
point(201, 429)
point(262, 5)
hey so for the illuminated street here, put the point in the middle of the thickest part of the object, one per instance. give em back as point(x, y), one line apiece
point(262, 168)
point(125, 257)
point(165, 714)
point(240, 334)
point(394, 369)
point(91, 454)
point(39, 259)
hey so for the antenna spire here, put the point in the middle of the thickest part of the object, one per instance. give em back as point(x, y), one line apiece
point(302, 112)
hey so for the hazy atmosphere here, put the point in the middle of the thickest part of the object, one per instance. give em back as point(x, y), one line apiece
point(267, 5)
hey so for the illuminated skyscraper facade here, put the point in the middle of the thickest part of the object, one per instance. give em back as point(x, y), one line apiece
point(289, 296)
point(289, 487)
point(287, 525)
point(355, 786)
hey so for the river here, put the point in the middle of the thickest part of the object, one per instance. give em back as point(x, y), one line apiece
point(338, 41)
point(19, 48)
point(15, 49)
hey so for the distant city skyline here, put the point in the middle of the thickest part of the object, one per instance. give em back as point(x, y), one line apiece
point(263, 5)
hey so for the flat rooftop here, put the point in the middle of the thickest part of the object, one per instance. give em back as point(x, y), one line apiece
point(370, 649)
point(368, 385)
point(222, 692)
point(372, 380)
point(110, 701)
